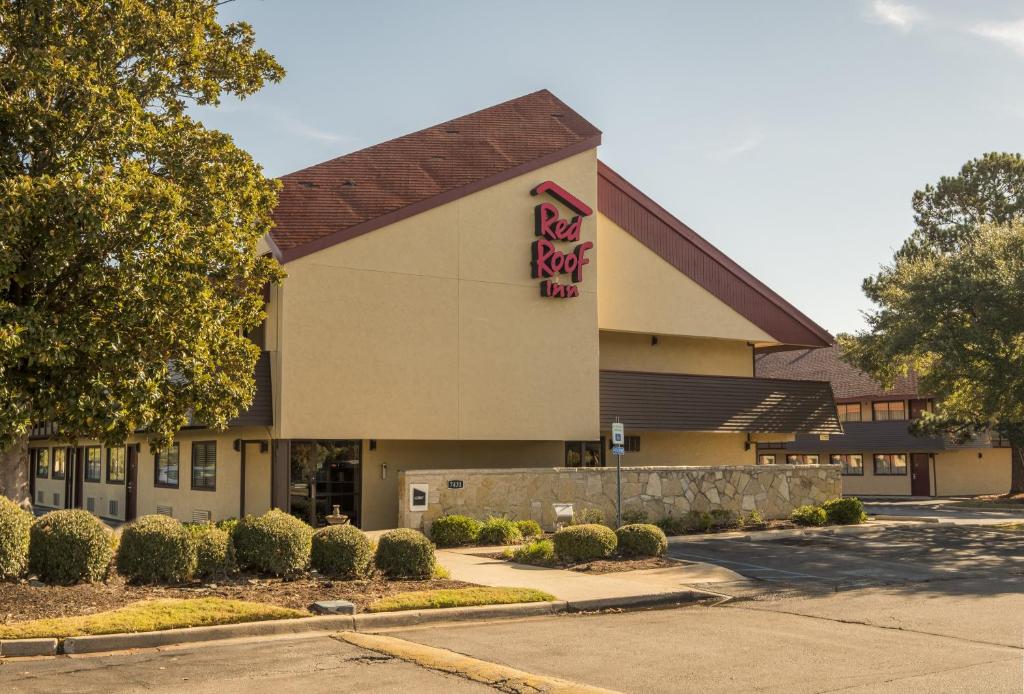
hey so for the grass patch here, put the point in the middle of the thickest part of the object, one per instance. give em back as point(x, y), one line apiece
point(457, 597)
point(1017, 527)
point(150, 615)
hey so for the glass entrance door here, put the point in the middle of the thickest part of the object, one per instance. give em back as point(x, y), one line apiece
point(325, 474)
point(584, 454)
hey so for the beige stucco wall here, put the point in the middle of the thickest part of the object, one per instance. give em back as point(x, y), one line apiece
point(683, 355)
point(639, 292)
point(871, 484)
point(100, 492)
point(380, 496)
point(663, 448)
point(959, 473)
point(774, 490)
point(432, 328)
point(47, 485)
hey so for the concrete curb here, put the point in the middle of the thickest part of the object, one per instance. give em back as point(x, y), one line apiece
point(365, 622)
point(769, 535)
point(917, 519)
point(22, 648)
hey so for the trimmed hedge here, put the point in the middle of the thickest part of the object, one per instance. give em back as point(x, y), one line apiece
point(808, 515)
point(689, 522)
point(641, 540)
point(580, 543)
point(455, 531)
point(538, 553)
point(405, 553)
point(499, 531)
point(341, 550)
point(722, 518)
point(844, 511)
point(529, 528)
point(156, 549)
point(15, 527)
point(68, 546)
point(277, 543)
point(215, 556)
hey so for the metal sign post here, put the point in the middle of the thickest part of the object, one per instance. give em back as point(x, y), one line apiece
point(618, 448)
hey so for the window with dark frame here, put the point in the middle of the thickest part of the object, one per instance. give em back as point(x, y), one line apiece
point(93, 464)
point(852, 464)
point(889, 411)
point(583, 454)
point(204, 465)
point(165, 468)
point(60, 463)
point(801, 459)
point(890, 464)
point(765, 459)
point(848, 411)
point(42, 462)
point(116, 465)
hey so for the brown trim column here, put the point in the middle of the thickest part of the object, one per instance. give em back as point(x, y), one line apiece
point(280, 474)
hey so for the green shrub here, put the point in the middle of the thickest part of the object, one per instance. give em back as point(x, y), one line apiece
point(809, 515)
point(15, 526)
point(228, 525)
point(405, 553)
point(276, 543)
point(721, 518)
point(215, 555)
point(689, 522)
point(755, 521)
point(341, 550)
point(641, 540)
point(537, 553)
point(455, 531)
point(588, 516)
point(529, 528)
point(499, 531)
point(69, 546)
point(580, 543)
point(632, 516)
point(156, 549)
point(844, 511)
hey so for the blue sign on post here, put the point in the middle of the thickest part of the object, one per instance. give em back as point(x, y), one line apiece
point(618, 450)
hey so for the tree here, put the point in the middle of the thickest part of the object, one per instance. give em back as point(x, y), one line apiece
point(128, 232)
point(949, 306)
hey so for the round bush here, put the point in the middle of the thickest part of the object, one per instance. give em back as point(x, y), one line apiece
point(499, 531)
point(405, 553)
point(215, 555)
point(845, 511)
point(580, 543)
point(529, 528)
point(455, 531)
point(69, 546)
point(341, 550)
point(641, 540)
point(15, 525)
point(156, 549)
point(537, 552)
point(276, 543)
point(808, 515)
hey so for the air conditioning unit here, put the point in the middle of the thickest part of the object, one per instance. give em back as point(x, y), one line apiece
point(90, 504)
point(165, 510)
point(201, 516)
point(113, 507)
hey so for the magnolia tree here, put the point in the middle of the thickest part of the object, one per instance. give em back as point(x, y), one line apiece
point(129, 271)
point(949, 306)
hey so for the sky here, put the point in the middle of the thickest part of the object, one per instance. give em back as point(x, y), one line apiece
point(790, 134)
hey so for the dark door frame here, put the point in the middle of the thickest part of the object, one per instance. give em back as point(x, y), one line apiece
point(75, 480)
point(920, 464)
point(131, 485)
point(240, 446)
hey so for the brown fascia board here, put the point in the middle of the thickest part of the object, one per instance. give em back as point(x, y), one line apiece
point(447, 196)
point(809, 334)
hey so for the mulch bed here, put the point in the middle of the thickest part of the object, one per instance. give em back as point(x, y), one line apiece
point(22, 601)
point(610, 566)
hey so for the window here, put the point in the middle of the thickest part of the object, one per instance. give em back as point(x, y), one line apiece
point(93, 464)
point(583, 454)
point(631, 444)
point(204, 465)
point(165, 468)
point(766, 460)
point(60, 463)
point(42, 462)
point(889, 411)
point(849, 411)
point(116, 465)
point(890, 464)
point(853, 465)
point(801, 459)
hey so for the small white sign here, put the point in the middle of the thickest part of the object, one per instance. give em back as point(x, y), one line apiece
point(418, 497)
point(618, 434)
point(618, 450)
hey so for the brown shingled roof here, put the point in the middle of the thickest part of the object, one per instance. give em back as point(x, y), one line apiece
point(824, 364)
point(365, 190)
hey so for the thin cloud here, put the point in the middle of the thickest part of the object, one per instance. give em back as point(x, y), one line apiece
point(750, 141)
point(1009, 34)
point(297, 127)
point(894, 14)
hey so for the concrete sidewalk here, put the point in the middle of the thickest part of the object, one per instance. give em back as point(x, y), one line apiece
point(472, 565)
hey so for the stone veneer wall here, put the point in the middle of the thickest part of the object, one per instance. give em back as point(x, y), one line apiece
point(521, 493)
